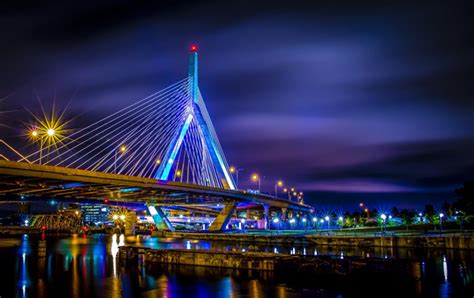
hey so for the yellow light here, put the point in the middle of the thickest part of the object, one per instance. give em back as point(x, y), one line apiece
point(301, 193)
point(285, 189)
point(254, 177)
point(115, 217)
point(178, 173)
point(158, 161)
point(122, 217)
point(232, 169)
point(294, 193)
point(50, 129)
point(280, 183)
point(366, 210)
point(123, 148)
point(77, 212)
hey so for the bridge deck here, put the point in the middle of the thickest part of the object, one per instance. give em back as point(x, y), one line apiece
point(34, 180)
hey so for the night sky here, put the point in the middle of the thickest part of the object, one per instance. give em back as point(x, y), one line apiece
point(347, 102)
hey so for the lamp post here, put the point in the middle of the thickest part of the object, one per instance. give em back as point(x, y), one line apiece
point(122, 150)
point(384, 218)
point(441, 215)
point(256, 178)
point(234, 170)
point(341, 221)
point(326, 218)
point(289, 192)
point(279, 183)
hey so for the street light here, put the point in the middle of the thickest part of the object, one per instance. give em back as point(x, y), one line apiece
point(279, 183)
point(326, 218)
point(441, 215)
point(383, 217)
point(256, 178)
point(234, 170)
point(122, 150)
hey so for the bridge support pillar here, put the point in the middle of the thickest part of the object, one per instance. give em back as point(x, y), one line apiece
point(223, 217)
point(159, 217)
point(131, 223)
point(266, 210)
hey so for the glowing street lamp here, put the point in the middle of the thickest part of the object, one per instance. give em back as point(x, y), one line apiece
point(34, 133)
point(326, 218)
point(122, 149)
point(289, 193)
point(256, 178)
point(278, 184)
point(384, 218)
point(441, 215)
point(234, 170)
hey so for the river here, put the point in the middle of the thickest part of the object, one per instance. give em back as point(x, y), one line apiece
point(86, 266)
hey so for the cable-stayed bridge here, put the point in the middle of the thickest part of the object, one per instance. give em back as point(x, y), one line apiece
point(162, 151)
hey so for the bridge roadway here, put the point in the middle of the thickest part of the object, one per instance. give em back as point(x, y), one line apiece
point(40, 181)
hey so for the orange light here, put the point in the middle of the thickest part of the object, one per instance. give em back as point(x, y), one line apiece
point(255, 177)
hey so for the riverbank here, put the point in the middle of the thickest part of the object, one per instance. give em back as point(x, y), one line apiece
point(447, 241)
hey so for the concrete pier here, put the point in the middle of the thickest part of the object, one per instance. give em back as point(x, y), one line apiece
point(278, 263)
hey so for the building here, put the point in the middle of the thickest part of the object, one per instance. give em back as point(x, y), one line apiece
point(94, 214)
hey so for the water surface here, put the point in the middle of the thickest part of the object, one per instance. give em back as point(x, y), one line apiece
point(86, 266)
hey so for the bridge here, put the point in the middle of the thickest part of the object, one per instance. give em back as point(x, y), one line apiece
point(162, 152)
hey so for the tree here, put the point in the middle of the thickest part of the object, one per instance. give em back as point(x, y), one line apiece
point(465, 200)
point(395, 212)
point(406, 217)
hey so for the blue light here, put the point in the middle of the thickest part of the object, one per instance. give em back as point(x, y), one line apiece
point(131, 189)
point(169, 164)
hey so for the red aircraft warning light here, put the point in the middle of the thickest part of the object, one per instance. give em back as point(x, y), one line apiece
point(194, 48)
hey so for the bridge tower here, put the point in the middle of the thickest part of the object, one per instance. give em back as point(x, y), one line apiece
point(199, 114)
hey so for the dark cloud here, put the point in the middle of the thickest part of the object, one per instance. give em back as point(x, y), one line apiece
point(356, 97)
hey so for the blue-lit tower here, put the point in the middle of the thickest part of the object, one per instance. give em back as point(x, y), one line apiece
point(199, 114)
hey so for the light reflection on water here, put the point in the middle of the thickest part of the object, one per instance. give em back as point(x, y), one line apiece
point(87, 266)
